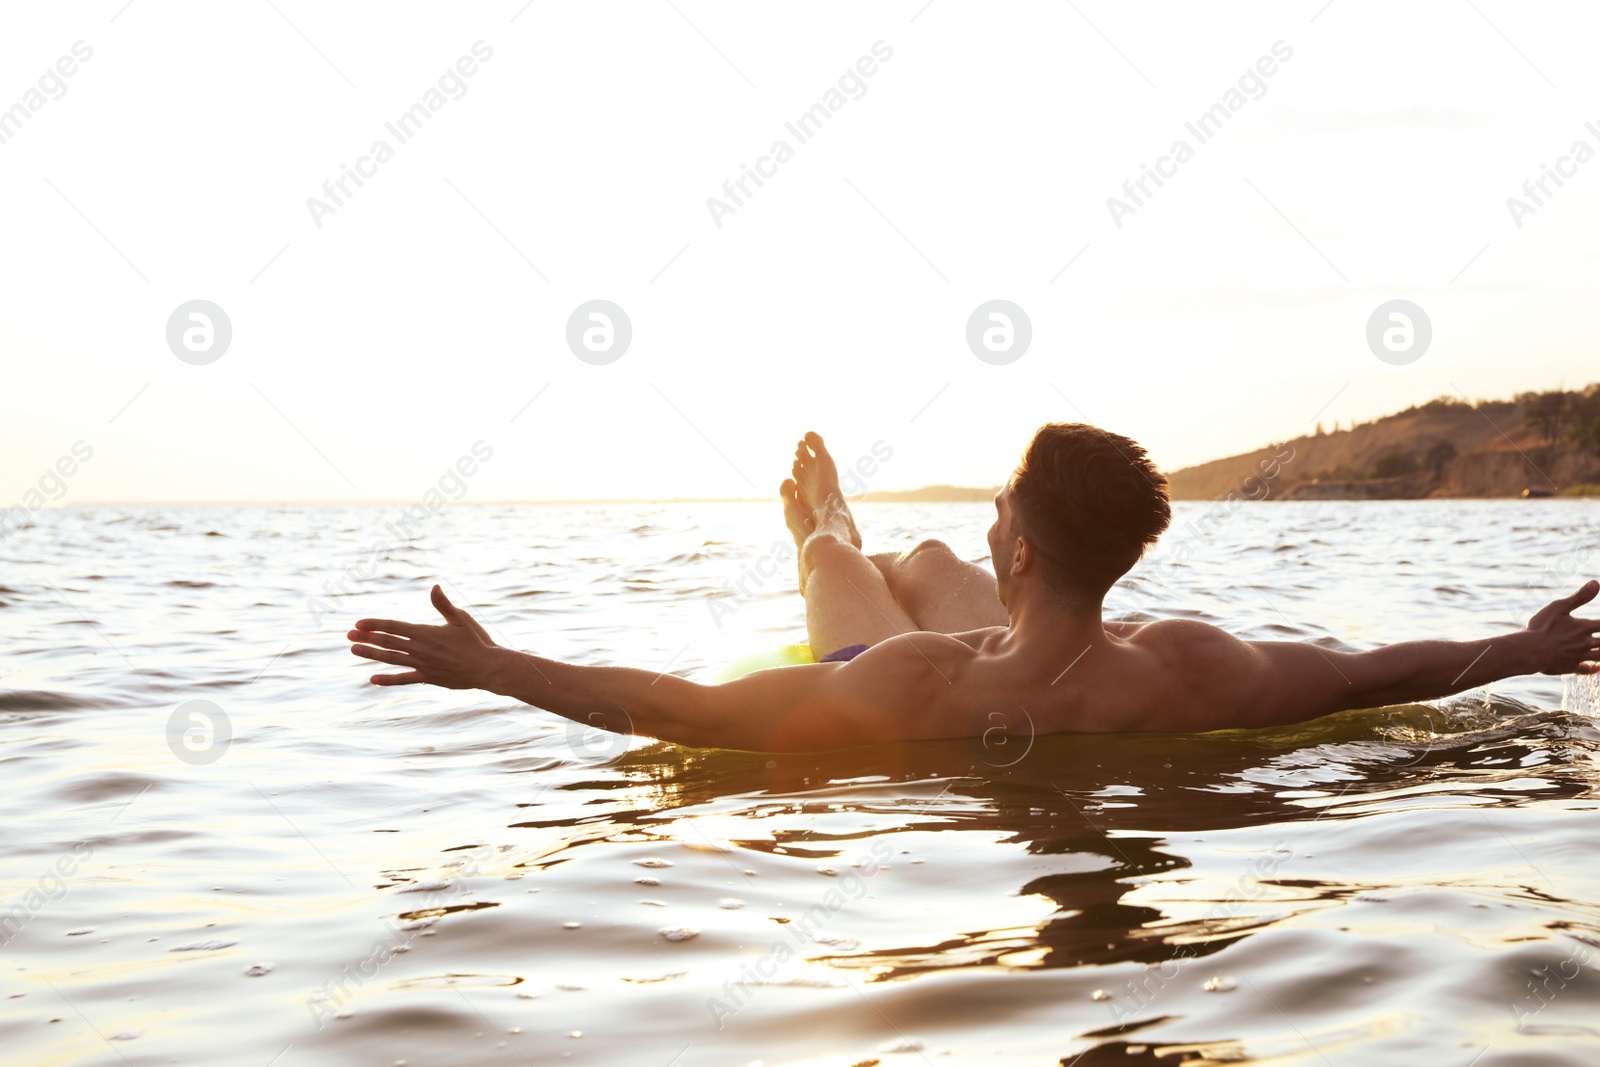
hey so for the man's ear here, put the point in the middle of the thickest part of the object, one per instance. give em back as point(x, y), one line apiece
point(1022, 556)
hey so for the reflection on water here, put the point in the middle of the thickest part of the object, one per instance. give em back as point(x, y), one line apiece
point(379, 876)
point(1117, 836)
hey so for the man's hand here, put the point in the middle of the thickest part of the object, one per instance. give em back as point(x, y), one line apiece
point(457, 655)
point(1563, 644)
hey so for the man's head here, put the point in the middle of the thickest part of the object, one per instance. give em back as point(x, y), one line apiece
point(1077, 514)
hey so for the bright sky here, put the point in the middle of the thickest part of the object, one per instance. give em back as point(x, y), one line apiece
point(974, 163)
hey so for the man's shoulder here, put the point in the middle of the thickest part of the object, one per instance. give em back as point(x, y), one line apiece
point(922, 649)
point(1185, 639)
point(902, 688)
point(1178, 629)
point(910, 668)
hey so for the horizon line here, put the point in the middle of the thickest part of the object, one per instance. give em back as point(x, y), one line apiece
point(407, 501)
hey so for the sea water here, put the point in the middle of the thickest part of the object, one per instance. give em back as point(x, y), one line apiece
point(1580, 694)
point(221, 846)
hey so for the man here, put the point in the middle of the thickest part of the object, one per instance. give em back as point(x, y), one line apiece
point(923, 645)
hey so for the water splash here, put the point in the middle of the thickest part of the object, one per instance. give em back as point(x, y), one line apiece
point(1580, 693)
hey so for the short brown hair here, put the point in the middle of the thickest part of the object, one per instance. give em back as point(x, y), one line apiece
point(1090, 501)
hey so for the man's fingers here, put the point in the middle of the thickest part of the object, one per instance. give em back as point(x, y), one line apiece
point(382, 655)
point(1582, 596)
point(473, 625)
point(404, 678)
point(457, 616)
point(442, 603)
point(369, 637)
point(392, 626)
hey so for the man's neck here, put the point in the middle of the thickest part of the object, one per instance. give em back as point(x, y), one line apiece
point(1049, 621)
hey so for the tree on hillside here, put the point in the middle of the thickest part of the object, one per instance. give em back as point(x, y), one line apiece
point(1583, 419)
point(1393, 464)
point(1545, 412)
point(1438, 457)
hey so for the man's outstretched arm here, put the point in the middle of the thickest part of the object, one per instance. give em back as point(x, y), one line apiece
point(789, 709)
point(1300, 681)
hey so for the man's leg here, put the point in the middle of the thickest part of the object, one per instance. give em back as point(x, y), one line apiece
point(926, 588)
point(847, 600)
point(940, 590)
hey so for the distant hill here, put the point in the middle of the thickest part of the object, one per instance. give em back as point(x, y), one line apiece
point(1538, 444)
point(931, 494)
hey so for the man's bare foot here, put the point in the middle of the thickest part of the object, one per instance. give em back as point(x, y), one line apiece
point(817, 478)
point(798, 518)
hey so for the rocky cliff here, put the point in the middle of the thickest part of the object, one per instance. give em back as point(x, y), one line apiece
point(1447, 448)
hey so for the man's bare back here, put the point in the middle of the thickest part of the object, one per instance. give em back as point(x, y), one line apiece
point(921, 654)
